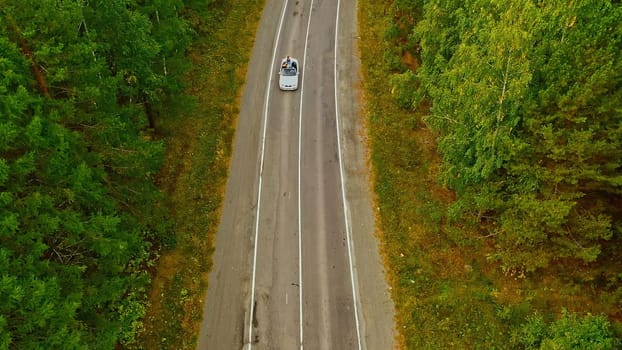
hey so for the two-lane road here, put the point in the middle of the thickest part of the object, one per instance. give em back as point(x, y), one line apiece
point(291, 271)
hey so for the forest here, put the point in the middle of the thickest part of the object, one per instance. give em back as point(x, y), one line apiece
point(523, 103)
point(82, 85)
point(526, 97)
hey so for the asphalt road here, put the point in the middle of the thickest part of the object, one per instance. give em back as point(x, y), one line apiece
point(296, 262)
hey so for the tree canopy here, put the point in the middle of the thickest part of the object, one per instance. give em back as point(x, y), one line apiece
point(79, 85)
point(515, 107)
point(526, 98)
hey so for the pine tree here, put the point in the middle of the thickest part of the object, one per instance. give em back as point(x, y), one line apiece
point(78, 206)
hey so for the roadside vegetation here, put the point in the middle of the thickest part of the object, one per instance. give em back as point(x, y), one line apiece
point(199, 141)
point(81, 220)
point(495, 134)
point(116, 123)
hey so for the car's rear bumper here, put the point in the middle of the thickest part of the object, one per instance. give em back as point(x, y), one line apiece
point(288, 87)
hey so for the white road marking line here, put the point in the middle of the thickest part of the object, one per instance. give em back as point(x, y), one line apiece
point(302, 88)
point(343, 189)
point(259, 191)
point(258, 207)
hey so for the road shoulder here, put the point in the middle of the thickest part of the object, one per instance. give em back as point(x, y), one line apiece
point(377, 309)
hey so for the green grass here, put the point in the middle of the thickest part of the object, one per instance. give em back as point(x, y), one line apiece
point(199, 141)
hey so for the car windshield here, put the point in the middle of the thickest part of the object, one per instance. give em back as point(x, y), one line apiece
point(288, 72)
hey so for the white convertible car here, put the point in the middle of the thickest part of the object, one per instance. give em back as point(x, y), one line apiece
point(288, 75)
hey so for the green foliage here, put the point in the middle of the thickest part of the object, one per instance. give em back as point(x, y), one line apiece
point(402, 94)
point(78, 206)
point(568, 332)
point(526, 98)
point(199, 146)
point(523, 101)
